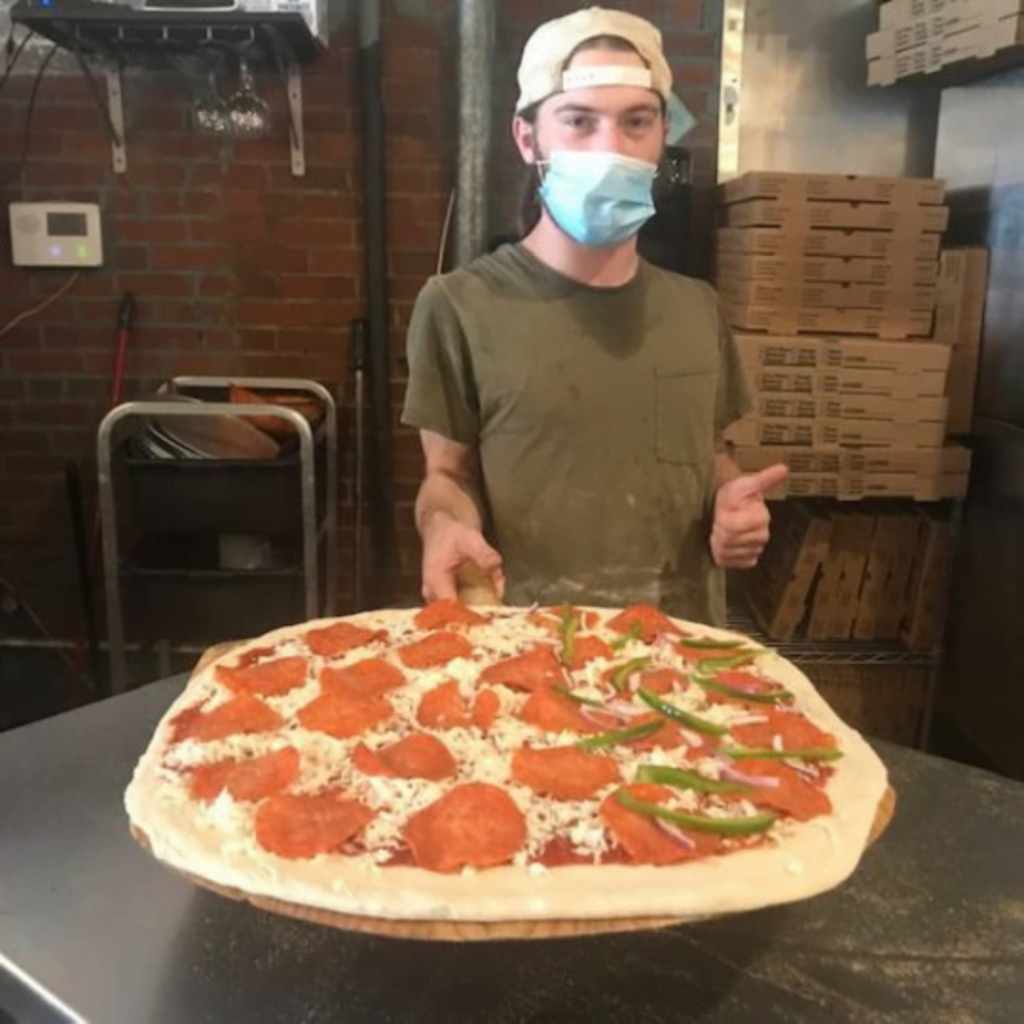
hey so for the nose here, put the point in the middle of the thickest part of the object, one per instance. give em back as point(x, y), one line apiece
point(610, 137)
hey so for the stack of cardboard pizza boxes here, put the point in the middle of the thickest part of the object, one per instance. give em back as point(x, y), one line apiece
point(847, 323)
point(876, 570)
point(920, 37)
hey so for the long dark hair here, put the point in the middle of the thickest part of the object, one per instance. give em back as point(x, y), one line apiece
point(528, 209)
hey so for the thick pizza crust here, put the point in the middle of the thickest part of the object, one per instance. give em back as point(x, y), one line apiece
point(814, 857)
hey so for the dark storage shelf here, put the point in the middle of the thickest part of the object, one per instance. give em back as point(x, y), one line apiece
point(220, 495)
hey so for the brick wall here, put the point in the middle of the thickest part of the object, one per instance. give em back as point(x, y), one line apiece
point(237, 267)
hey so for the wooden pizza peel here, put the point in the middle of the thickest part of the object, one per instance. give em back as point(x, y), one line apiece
point(474, 589)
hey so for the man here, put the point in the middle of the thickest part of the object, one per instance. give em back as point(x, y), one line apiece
point(570, 396)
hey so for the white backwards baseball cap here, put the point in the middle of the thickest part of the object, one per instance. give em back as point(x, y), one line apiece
point(543, 72)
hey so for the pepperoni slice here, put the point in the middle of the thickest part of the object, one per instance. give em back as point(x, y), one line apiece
point(662, 681)
point(565, 773)
point(559, 852)
point(794, 794)
point(644, 840)
point(435, 649)
point(486, 707)
point(445, 613)
point(537, 667)
point(649, 620)
point(299, 826)
point(242, 714)
point(343, 714)
point(554, 713)
point(418, 756)
point(587, 648)
point(444, 707)
point(474, 825)
point(268, 678)
point(795, 730)
point(334, 640)
point(252, 779)
point(370, 677)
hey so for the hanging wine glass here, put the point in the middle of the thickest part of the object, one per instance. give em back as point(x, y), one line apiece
point(249, 114)
point(208, 112)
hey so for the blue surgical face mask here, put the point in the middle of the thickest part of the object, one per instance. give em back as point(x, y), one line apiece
point(595, 197)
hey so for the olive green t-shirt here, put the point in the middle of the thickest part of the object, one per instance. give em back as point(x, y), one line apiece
point(595, 412)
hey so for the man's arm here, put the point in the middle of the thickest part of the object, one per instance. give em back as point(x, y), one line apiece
point(449, 521)
point(449, 486)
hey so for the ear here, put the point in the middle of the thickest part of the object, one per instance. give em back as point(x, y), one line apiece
point(524, 134)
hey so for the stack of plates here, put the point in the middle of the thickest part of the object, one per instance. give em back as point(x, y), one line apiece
point(191, 436)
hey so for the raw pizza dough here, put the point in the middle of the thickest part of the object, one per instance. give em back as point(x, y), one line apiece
point(215, 841)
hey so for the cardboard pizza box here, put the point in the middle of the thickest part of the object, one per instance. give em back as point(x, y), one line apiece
point(950, 459)
point(798, 216)
point(878, 245)
point(876, 571)
point(745, 291)
point(959, 323)
point(777, 589)
point(782, 269)
point(853, 407)
point(925, 615)
point(854, 564)
point(880, 323)
point(796, 187)
point(837, 353)
point(752, 430)
point(824, 607)
point(883, 383)
point(890, 614)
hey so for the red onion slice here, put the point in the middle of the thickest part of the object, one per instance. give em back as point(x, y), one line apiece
point(601, 718)
point(676, 834)
point(748, 720)
point(757, 781)
point(693, 739)
point(620, 707)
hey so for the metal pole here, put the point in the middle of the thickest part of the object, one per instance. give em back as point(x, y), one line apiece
point(476, 64)
point(385, 553)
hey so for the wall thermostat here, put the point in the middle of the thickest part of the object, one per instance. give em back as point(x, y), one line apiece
point(56, 235)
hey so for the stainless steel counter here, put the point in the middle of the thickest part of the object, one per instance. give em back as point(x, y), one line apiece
point(930, 929)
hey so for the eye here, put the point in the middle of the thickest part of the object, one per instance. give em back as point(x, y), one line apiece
point(639, 123)
point(578, 122)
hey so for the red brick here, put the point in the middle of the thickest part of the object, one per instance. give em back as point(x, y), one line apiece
point(276, 259)
point(309, 231)
point(337, 260)
point(152, 229)
point(156, 285)
point(187, 257)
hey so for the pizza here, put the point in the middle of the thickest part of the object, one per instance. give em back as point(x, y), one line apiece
point(453, 763)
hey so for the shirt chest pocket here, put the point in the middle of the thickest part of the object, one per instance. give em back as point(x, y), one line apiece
point(684, 416)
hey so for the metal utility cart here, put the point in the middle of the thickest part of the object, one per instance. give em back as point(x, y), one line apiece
point(161, 519)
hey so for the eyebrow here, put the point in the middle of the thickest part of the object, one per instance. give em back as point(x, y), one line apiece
point(579, 108)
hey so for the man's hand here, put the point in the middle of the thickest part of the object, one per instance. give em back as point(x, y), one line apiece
point(447, 546)
point(740, 529)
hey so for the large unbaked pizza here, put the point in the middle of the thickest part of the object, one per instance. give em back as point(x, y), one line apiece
point(468, 764)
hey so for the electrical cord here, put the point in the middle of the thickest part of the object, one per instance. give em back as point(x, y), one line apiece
point(13, 55)
point(39, 307)
point(444, 231)
point(27, 133)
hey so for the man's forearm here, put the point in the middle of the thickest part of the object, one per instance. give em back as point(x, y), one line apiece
point(445, 494)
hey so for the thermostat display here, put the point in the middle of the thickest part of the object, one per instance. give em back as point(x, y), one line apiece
point(56, 235)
